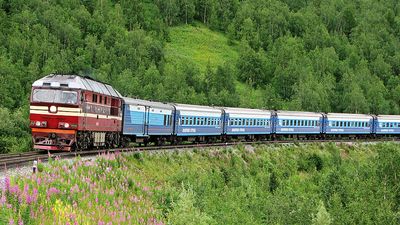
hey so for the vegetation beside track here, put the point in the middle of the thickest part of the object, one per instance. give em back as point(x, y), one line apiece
point(311, 183)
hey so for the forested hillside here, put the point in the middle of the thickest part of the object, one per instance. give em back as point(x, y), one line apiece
point(340, 56)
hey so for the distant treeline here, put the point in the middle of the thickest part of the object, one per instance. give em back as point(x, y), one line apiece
point(337, 56)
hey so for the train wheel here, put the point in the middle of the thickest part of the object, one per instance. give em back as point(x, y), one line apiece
point(83, 141)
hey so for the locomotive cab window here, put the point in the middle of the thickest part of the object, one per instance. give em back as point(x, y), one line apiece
point(55, 96)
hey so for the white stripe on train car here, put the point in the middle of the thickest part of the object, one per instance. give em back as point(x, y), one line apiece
point(91, 115)
point(64, 109)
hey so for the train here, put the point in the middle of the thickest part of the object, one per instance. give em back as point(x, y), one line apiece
point(72, 112)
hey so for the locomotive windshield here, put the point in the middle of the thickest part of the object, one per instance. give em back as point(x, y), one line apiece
point(55, 96)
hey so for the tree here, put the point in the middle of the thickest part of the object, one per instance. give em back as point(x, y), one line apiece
point(354, 100)
point(204, 9)
point(185, 212)
point(251, 66)
point(187, 10)
point(170, 10)
point(322, 217)
point(313, 95)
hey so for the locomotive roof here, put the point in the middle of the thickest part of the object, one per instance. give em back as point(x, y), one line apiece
point(134, 101)
point(76, 82)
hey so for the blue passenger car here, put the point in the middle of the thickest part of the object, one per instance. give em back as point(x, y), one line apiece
point(146, 118)
point(342, 123)
point(240, 121)
point(298, 122)
point(195, 120)
point(387, 124)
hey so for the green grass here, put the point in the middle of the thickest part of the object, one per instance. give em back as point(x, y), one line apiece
point(199, 45)
point(263, 184)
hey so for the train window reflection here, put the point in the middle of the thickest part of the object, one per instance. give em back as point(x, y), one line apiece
point(55, 96)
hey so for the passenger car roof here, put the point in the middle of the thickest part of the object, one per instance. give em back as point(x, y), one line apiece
point(197, 108)
point(232, 110)
point(348, 116)
point(134, 101)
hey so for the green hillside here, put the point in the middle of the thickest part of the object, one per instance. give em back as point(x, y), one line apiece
point(199, 45)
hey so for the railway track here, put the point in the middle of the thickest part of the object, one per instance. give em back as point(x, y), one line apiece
point(13, 160)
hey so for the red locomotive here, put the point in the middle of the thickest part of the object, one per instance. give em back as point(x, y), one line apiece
point(70, 111)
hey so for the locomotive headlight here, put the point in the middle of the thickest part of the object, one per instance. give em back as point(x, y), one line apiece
point(37, 123)
point(66, 125)
point(53, 109)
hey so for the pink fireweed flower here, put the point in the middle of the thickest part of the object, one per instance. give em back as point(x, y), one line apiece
point(52, 191)
point(28, 199)
point(34, 195)
point(26, 189)
point(32, 214)
point(20, 222)
point(72, 216)
point(14, 190)
point(145, 188)
point(3, 199)
point(134, 199)
point(6, 183)
point(74, 189)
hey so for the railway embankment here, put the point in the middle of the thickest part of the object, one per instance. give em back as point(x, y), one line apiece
point(263, 184)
